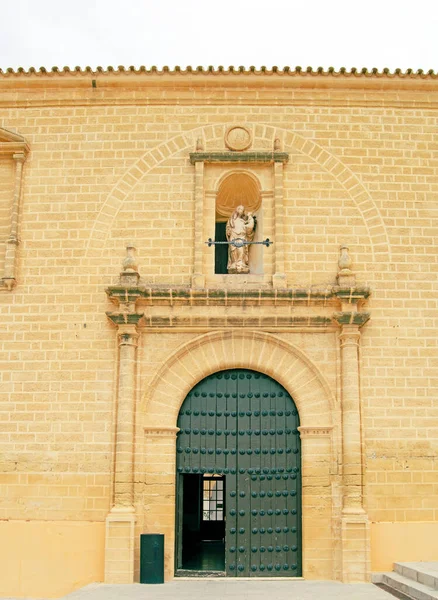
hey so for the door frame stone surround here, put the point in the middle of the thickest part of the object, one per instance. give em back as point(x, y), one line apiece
point(335, 525)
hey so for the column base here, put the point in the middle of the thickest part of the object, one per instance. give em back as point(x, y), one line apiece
point(356, 567)
point(119, 546)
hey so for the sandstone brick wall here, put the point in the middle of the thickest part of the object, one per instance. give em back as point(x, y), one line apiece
point(111, 169)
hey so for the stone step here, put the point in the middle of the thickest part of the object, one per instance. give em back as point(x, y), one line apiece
point(423, 572)
point(408, 587)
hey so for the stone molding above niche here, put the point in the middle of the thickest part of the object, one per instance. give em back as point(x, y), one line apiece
point(239, 157)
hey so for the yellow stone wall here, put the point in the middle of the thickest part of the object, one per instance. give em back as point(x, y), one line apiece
point(48, 559)
point(109, 166)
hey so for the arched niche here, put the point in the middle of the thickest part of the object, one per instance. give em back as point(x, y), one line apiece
point(238, 187)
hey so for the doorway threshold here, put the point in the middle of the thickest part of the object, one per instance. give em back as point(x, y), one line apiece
point(222, 574)
point(190, 573)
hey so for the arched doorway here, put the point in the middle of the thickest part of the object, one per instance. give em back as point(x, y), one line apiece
point(238, 478)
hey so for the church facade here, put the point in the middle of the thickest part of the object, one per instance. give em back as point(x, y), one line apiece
point(218, 323)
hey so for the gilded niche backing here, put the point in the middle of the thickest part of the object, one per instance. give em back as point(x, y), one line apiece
point(237, 188)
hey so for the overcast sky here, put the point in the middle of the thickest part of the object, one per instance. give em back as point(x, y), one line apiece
point(350, 33)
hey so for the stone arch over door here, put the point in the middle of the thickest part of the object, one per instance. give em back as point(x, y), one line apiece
point(232, 349)
point(314, 400)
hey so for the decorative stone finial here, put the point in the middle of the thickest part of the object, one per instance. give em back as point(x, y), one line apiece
point(346, 277)
point(277, 145)
point(129, 274)
point(129, 265)
point(344, 261)
point(199, 145)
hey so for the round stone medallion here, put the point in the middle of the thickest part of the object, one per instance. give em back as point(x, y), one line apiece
point(238, 138)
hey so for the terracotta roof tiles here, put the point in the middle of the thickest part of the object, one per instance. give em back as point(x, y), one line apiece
point(286, 71)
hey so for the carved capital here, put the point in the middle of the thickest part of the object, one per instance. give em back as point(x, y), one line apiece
point(128, 335)
point(128, 339)
point(349, 336)
point(19, 157)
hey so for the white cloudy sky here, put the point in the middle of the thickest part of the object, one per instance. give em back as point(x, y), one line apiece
point(350, 33)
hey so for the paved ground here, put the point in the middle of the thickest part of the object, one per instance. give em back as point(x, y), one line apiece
point(216, 589)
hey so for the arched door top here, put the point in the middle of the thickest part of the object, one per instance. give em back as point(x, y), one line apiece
point(258, 351)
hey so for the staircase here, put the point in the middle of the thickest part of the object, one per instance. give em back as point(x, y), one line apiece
point(410, 580)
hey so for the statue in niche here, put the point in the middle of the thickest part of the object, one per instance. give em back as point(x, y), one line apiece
point(240, 228)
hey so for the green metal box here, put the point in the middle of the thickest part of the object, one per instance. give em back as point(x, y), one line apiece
point(152, 558)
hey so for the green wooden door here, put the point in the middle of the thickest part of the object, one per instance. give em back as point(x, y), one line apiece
point(243, 425)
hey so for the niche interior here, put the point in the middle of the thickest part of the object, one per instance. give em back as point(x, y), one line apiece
point(236, 188)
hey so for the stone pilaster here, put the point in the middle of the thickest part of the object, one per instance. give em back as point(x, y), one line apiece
point(279, 277)
point(354, 526)
point(9, 278)
point(198, 278)
point(351, 429)
point(119, 543)
point(120, 523)
point(123, 478)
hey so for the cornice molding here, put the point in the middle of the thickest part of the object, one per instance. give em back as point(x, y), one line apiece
point(232, 156)
point(352, 318)
point(186, 296)
point(12, 143)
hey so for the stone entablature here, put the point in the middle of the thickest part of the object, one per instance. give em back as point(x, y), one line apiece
point(270, 307)
point(170, 296)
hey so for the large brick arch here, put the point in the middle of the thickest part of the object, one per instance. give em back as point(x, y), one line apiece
point(262, 134)
point(235, 349)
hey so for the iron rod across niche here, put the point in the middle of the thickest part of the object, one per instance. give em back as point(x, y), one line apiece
point(239, 242)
